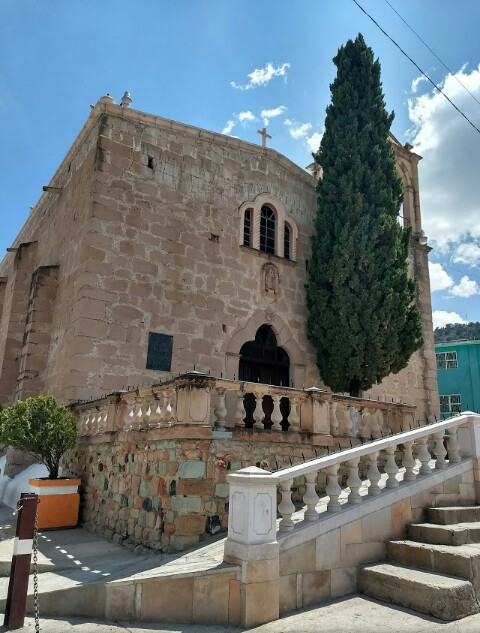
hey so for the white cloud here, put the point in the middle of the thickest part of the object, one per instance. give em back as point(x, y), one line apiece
point(467, 253)
point(272, 113)
point(416, 82)
point(441, 318)
point(313, 141)
point(229, 125)
point(262, 76)
point(246, 116)
point(466, 288)
point(298, 130)
point(449, 183)
point(439, 278)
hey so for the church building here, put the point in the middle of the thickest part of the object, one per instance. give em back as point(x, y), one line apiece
point(158, 248)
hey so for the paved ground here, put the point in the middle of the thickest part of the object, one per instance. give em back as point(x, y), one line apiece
point(350, 615)
point(78, 556)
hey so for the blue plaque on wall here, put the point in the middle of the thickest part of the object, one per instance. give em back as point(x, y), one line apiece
point(159, 355)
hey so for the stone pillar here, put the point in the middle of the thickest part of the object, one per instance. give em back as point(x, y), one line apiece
point(469, 443)
point(12, 328)
point(252, 543)
point(193, 399)
point(315, 411)
point(38, 329)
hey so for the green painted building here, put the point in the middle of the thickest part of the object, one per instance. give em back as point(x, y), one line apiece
point(458, 374)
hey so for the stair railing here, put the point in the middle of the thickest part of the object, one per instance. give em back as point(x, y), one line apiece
point(253, 491)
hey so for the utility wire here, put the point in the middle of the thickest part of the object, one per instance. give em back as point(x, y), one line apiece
point(418, 67)
point(433, 52)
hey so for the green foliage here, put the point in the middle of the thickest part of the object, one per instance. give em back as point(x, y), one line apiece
point(362, 316)
point(41, 427)
point(457, 332)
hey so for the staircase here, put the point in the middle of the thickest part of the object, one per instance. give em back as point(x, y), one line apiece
point(436, 571)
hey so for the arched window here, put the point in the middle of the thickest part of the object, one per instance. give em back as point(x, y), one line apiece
point(247, 228)
point(267, 230)
point(286, 242)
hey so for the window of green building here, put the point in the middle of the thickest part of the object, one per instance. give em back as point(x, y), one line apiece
point(447, 360)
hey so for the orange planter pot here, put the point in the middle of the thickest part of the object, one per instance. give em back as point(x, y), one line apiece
point(59, 502)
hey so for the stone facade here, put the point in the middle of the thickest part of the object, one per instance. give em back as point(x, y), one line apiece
point(141, 232)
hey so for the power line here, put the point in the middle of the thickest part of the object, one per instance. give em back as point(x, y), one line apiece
point(433, 52)
point(418, 67)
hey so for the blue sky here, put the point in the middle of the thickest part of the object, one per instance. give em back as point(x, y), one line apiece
point(211, 62)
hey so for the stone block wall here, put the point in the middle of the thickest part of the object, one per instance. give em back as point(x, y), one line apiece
point(46, 251)
point(144, 224)
point(167, 492)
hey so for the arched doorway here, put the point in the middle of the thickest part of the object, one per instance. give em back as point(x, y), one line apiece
point(263, 361)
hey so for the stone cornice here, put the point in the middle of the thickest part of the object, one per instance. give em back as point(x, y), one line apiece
point(220, 139)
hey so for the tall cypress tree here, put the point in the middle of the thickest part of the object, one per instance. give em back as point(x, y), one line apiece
point(362, 316)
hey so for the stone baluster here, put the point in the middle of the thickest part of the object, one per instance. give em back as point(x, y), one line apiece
point(440, 451)
point(220, 411)
point(363, 422)
point(373, 474)
point(169, 415)
point(310, 498)
point(454, 456)
point(138, 423)
point(83, 426)
point(293, 417)
point(157, 416)
point(424, 456)
point(391, 468)
point(409, 462)
point(344, 424)
point(333, 419)
point(277, 416)
point(129, 416)
point(258, 414)
point(376, 419)
point(164, 420)
point(93, 423)
point(147, 414)
point(354, 482)
point(333, 489)
point(105, 424)
point(286, 507)
point(151, 415)
point(101, 420)
point(240, 412)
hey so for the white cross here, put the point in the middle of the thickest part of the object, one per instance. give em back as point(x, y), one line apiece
point(264, 135)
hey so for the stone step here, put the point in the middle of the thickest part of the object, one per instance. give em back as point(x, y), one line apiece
point(455, 534)
point(462, 560)
point(443, 597)
point(450, 515)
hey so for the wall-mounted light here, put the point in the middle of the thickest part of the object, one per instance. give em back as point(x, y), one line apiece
point(422, 238)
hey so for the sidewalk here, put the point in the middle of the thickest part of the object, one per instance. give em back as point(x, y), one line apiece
point(351, 615)
point(70, 558)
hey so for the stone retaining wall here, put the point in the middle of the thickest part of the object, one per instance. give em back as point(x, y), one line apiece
point(167, 492)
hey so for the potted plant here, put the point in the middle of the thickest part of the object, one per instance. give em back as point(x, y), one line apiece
point(44, 429)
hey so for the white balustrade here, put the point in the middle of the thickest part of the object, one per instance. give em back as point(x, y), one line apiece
point(265, 408)
point(401, 468)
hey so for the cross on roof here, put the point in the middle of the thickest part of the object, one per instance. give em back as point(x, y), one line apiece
point(264, 135)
